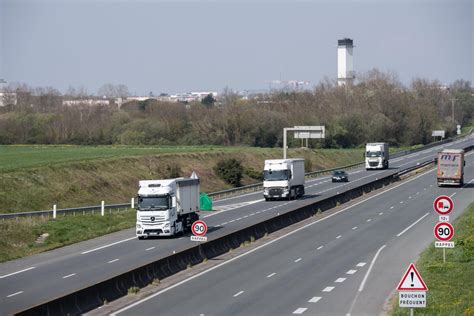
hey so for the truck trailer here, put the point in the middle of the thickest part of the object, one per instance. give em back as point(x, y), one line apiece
point(376, 156)
point(451, 167)
point(283, 178)
point(166, 207)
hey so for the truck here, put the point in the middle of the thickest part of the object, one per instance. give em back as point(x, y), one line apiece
point(283, 178)
point(166, 207)
point(450, 167)
point(376, 156)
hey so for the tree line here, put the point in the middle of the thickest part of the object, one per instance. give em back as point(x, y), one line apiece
point(378, 107)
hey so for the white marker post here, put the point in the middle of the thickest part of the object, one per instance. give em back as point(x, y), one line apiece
point(54, 211)
point(132, 202)
point(102, 208)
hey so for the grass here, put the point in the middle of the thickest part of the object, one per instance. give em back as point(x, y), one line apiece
point(19, 236)
point(451, 285)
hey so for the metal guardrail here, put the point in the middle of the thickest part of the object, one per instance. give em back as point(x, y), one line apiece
point(218, 194)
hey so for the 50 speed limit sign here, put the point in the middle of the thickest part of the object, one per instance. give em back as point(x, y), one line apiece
point(199, 228)
point(444, 231)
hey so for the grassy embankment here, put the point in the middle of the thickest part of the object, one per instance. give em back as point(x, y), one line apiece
point(451, 285)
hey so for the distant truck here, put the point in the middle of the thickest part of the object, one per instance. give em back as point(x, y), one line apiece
point(283, 178)
point(451, 167)
point(166, 207)
point(376, 156)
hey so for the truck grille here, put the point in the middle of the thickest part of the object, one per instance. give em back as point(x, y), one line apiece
point(373, 163)
point(275, 191)
point(152, 219)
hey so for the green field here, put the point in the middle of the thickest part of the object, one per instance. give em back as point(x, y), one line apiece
point(451, 285)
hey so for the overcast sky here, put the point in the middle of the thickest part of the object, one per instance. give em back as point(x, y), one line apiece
point(179, 46)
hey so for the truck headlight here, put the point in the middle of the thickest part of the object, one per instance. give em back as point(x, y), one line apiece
point(139, 226)
point(285, 190)
point(167, 225)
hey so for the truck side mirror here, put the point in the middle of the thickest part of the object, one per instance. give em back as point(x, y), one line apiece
point(173, 201)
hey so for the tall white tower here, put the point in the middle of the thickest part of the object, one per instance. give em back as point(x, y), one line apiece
point(345, 70)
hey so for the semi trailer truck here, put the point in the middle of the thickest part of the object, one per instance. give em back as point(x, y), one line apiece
point(283, 178)
point(376, 156)
point(451, 167)
point(166, 207)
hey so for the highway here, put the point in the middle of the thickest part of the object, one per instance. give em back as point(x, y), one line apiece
point(347, 263)
point(36, 279)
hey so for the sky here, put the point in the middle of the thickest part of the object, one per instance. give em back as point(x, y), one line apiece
point(179, 46)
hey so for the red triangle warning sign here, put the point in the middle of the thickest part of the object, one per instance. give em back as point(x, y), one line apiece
point(412, 281)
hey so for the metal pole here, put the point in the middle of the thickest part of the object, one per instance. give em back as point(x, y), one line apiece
point(444, 255)
point(452, 109)
point(284, 143)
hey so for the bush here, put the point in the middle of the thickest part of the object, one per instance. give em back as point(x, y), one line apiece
point(254, 174)
point(230, 170)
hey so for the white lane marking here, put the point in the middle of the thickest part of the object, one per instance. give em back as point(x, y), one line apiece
point(149, 248)
point(338, 236)
point(403, 231)
point(238, 219)
point(298, 260)
point(231, 207)
point(453, 194)
point(361, 264)
point(300, 310)
point(106, 246)
point(391, 207)
point(340, 280)
point(314, 299)
point(361, 287)
point(112, 261)
point(320, 247)
point(351, 271)
point(354, 228)
point(265, 245)
point(15, 294)
point(328, 288)
point(238, 293)
point(69, 275)
point(232, 221)
point(381, 213)
point(225, 223)
point(270, 275)
point(417, 193)
point(368, 220)
point(13, 273)
point(409, 197)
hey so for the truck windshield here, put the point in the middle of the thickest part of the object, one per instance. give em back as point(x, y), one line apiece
point(153, 203)
point(275, 175)
point(374, 154)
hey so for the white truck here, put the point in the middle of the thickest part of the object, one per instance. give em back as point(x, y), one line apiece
point(283, 178)
point(451, 167)
point(376, 156)
point(166, 207)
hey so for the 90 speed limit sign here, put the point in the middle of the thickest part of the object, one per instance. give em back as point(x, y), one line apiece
point(199, 228)
point(444, 231)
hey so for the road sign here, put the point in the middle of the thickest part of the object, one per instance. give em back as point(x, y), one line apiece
point(412, 281)
point(412, 299)
point(444, 231)
point(199, 228)
point(443, 205)
point(198, 238)
point(444, 244)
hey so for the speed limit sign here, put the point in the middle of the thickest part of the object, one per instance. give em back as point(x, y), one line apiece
point(199, 228)
point(444, 231)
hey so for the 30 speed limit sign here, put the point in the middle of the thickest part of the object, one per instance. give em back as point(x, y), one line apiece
point(199, 228)
point(444, 231)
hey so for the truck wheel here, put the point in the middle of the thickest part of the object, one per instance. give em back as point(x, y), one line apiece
point(141, 237)
point(267, 199)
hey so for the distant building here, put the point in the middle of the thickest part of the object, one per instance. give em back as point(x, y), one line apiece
point(8, 98)
point(345, 67)
point(86, 102)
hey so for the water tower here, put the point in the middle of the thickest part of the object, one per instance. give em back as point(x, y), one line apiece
point(345, 70)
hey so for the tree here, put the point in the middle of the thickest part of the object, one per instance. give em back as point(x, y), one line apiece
point(209, 100)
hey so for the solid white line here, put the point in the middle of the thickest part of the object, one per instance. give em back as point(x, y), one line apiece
point(14, 294)
point(270, 275)
point(109, 245)
point(361, 288)
point(237, 294)
point(149, 248)
point(7, 275)
point(300, 310)
point(297, 260)
point(69, 275)
point(402, 232)
point(328, 288)
point(351, 271)
point(338, 236)
point(112, 261)
point(361, 264)
point(320, 247)
point(340, 280)
point(314, 299)
point(265, 245)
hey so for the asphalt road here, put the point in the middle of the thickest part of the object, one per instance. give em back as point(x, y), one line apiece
point(36, 279)
point(348, 263)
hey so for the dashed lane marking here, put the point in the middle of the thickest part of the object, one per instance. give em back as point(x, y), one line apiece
point(340, 280)
point(314, 299)
point(69, 275)
point(351, 271)
point(300, 310)
point(13, 273)
point(361, 264)
point(354, 228)
point(320, 247)
point(238, 293)
point(328, 288)
point(298, 260)
point(14, 294)
point(112, 261)
point(270, 275)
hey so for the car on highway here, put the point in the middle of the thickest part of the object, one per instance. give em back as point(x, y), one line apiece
point(340, 176)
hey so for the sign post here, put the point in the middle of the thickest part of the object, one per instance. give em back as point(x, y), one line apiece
point(412, 290)
point(303, 132)
point(443, 231)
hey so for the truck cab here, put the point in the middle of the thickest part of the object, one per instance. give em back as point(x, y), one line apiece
point(283, 178)
point(376, 156)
